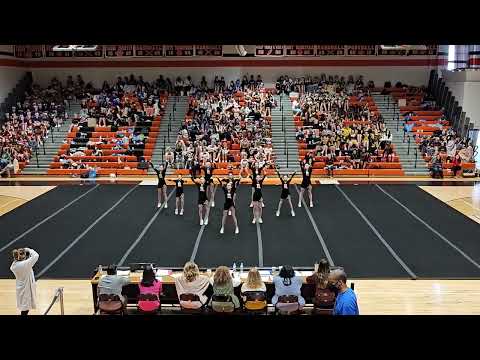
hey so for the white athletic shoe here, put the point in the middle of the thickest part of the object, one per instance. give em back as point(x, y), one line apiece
point(299, 204)
point(166, 206)
point(263, 205)
point(201, 222)
point(293, 213)
point(221, 230)
point(311, 204)
point(181, 212)
point(229, 212)
point(278, 213)
point(253, 221)
point(251, 205)
point(237, 230)
point(260, 221)
point(159, 205)
point(213, 204)
point(176, 211)
point(205, 222)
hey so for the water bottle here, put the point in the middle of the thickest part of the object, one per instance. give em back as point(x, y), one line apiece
point(241, 268)
point(234, 268)
point(100, 270)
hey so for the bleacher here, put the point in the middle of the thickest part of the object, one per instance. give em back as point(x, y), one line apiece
point(115, 159)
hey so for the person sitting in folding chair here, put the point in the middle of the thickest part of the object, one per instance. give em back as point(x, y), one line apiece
point(112, 284)
point(288, 298)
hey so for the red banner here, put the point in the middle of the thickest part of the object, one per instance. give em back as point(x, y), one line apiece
point(269, 50)
point(28, 51)
point(148, 50)
point(178, 50)
point(361, 50)
point(330, 50)
point(208, 50)
point(300, 50)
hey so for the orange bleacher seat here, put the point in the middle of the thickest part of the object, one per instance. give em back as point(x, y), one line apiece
point(319, 172)
point(350, 172)
point(386, 172)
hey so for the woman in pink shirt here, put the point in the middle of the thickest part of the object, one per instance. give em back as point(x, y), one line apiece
point(149, 286)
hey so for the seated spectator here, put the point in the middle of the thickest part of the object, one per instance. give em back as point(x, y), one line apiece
point(149, 286)
point(191, 282)
point(112, 284)
point(437, 167)
point(346, 301)
point(324, 296)
point(456, 164)
point(288, 284)
point(223, 285)
point(253, 283)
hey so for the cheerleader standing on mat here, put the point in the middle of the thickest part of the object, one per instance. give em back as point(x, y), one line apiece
point(306, 168)
point(179, 195)
point(229, 205)
point(202, 199)
point(257, 198)
point(162, 186)
point(256, 172)
point(285, 192)
point(235, 183)
point(208, 169)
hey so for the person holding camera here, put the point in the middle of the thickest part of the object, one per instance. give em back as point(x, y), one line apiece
point(22, 267)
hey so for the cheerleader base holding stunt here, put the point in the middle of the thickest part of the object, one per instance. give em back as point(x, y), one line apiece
point(229, 206)
point(285, 195)
point(162, 186)
point(179, 195)
point(306, 182)
point(202, 200)
point(257, 198)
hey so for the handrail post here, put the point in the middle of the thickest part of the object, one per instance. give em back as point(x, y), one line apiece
point(408, 149)
point(388, 102)
point(43, 144)
point(36, 155)
point(398, 122)
point(62, 310)
point(416, 154)
point(287, 158)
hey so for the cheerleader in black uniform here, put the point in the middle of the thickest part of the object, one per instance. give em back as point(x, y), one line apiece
point(179, 195)
point(229, 206)
point(208, 170)
point(235, 183)
point(256, 171)
point(162, 186)
point(306, 168)
point(257, 181)
point(285, 192)
point(202, 199)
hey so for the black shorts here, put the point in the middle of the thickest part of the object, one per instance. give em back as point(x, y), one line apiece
point(228, 204)
point(285, 194)
point(257, 195)
point(161, 183)
point(305, 184)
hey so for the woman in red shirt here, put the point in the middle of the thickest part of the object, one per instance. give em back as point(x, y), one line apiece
point(456, 164)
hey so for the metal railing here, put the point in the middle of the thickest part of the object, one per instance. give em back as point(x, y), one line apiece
point(57, 297)
point(416, 156)
point(408, 149)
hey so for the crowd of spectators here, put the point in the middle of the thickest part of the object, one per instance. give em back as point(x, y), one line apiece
point(198, 292)
point(238, 116)
point(338, 122)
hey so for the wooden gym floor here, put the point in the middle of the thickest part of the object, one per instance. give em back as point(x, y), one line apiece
point(375, 297)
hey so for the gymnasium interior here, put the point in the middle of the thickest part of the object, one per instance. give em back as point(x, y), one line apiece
point(379, 143)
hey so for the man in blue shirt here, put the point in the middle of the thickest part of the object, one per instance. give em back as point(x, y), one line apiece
point(346, 301)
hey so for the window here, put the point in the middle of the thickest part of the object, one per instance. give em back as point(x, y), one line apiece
point(451, 57)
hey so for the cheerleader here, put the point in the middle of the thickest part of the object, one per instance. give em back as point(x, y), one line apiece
point(202, 199)
point(179, 195)
point(285, 192)
point(229, 205)
point(162, 186)
point(257, 198)
point(306, 168)
point(235, 182)
point(256, 172)
point(208, 170)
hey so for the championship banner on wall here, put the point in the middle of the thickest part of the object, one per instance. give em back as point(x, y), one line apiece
point(118, 50)
point(330, 50)
point(148, 50)
point(98, 53)
point(300, 50)
point(50, 53)
point(28, 51)
point(269, 50)
point(178, 50)
point(208, 50)
point(361, 50)
point(431, 50)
